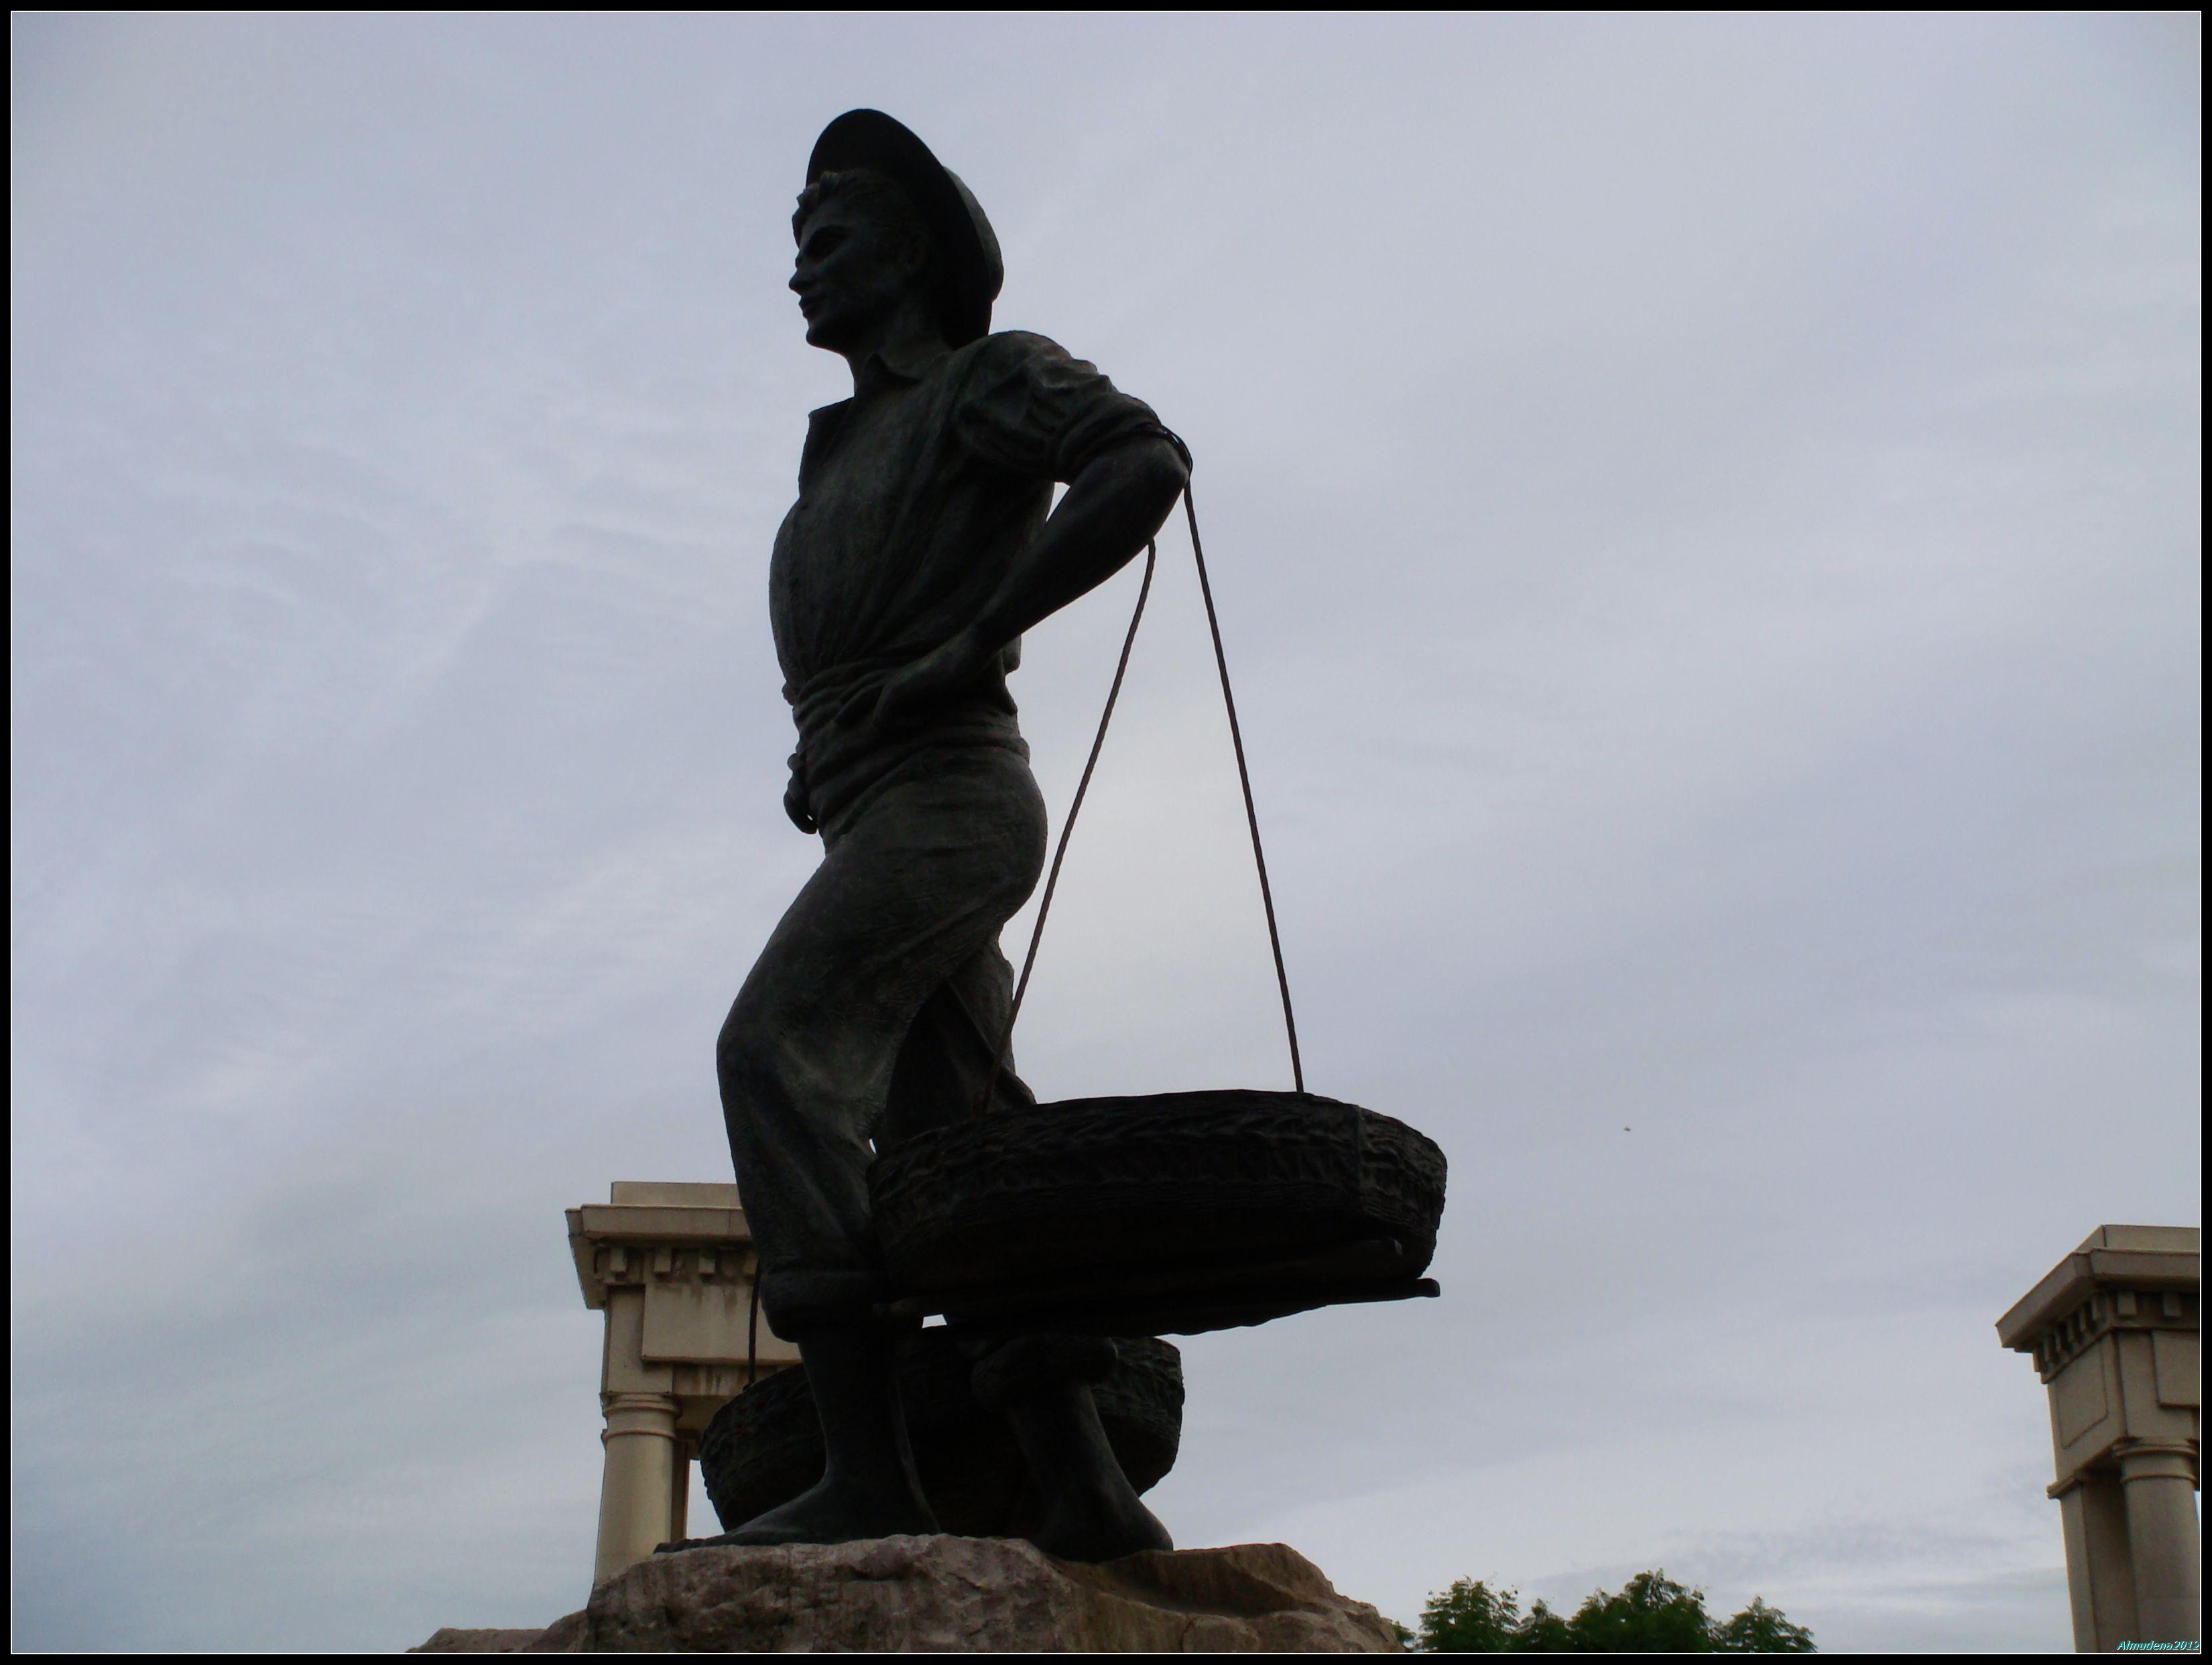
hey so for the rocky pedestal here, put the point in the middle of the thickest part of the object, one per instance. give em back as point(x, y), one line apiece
point(954, 1594)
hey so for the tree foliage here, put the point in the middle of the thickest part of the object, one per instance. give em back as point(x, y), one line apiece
point(1471, 1618)
point(1759, 1628)
point(1650, 1613)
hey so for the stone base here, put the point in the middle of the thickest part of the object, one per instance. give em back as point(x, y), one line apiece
point(454, 1640)
point(954, 1594)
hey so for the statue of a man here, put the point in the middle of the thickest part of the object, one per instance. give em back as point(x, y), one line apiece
point(918, 552)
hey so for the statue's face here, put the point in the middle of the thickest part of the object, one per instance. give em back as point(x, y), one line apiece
point(851, 271)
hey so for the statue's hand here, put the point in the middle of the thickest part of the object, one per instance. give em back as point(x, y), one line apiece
point(907, 696)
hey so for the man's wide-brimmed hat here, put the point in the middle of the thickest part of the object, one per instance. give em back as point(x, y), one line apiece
point(964, 261)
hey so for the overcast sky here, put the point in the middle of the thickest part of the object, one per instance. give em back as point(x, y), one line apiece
point(1705, 514)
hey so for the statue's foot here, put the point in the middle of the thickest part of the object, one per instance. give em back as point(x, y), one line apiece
point(1101, 1528)
point(831, 1513)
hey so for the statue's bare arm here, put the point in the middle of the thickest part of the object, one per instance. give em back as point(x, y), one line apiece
point(1113, 508)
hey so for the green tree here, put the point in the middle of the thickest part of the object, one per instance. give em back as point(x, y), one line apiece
point(1650, 1613)
point(1759, 1628)
point(1470, 1618)
point(1543, 1632)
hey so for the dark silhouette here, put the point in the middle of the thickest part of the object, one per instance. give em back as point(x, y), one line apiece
point(918, 552)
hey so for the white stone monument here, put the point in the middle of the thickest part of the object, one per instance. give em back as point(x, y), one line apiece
point(2113, 1330)
point(672, 1265)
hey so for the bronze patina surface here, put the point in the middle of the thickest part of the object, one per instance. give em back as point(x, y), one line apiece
point(918, 551)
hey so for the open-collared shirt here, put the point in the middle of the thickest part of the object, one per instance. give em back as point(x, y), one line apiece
point(915, 496)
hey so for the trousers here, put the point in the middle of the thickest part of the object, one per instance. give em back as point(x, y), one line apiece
point(873, 1014)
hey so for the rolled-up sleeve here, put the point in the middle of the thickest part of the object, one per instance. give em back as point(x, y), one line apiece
point(1029, 408)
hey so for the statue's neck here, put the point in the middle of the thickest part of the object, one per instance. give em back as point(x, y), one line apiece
point(906, 331)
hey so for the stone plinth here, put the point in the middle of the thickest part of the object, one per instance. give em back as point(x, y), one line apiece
point(2113, 1332)
point(945, 1595)
point(672, 1265)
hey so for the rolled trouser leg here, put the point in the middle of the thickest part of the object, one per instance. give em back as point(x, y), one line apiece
point(945, 1072)
point(915, 886)
point(801, 1159)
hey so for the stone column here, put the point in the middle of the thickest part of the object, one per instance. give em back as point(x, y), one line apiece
point(2158, 1477)
point(637, 1493)
point(2100, 1585)
point(2113, 1333)
point(670, 1265)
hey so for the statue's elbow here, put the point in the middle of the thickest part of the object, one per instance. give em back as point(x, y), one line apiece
point(1166, 473)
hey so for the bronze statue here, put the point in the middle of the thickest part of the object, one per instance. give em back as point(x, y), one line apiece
point(918, 552)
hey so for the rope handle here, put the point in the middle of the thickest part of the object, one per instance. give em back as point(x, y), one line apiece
point(1244, 777)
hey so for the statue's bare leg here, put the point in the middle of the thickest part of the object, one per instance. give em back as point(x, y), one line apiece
point(1091, 1511)
point(1040, 1383)
point(868, 1488)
